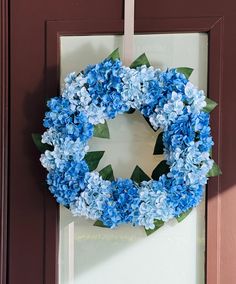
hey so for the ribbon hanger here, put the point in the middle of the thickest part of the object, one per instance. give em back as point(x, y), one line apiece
point(128, 42)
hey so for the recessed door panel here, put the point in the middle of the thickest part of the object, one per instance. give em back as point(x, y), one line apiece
point(176, 252)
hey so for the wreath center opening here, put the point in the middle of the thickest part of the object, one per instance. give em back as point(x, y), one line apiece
point(131, 143)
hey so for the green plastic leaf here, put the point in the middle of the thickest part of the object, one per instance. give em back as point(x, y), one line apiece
point(185, 70)
point(211, 152)
point(159, 147)
point(141, 60)
point(42, 147)
point(158, 225)
point(99, 223)
point(114, 55)
point(210, 105)
point(101, 130)
point(93, 158)
point(214, 171)
point(107, 173)
point(139, 175)
point(183, 215)
point(131, 110)
point(161, 168)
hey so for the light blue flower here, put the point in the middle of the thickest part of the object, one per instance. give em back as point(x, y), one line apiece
point(169, 101)
point(91, 201)
point(154, 205)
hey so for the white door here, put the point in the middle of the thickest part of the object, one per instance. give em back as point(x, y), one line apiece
point(176, 252)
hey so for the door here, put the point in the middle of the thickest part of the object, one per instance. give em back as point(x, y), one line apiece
point(176, 251)
point(30, 69)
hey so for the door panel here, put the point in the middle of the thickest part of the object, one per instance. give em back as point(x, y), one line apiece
point(87, 253)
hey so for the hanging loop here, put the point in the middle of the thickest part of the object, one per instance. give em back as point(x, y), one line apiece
point(128, 43)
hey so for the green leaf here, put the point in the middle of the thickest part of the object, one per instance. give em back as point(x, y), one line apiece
point(159, 147)
point(214, 171)
point(139, 175)
point(114, 55)
point(131, 110)
point(183, 215)
point(99, 223)
point(141, 60)
point(210, 105)
point(101, 130)
point(158, 225)
point(161, 168)
point(211, 152)
point(93, 158)
point(42, 147)
point(185, 70)
point(107, 173)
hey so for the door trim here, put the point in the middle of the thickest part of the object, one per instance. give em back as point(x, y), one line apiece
point(4, 115)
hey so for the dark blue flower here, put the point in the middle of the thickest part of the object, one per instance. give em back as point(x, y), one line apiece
point(65, 184)
point(122, 206)
point(101, 92)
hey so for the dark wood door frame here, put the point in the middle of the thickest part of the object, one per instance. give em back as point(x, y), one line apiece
point(221, 243)
point(4, 115)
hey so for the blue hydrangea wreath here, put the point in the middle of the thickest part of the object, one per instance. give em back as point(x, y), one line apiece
point(167, 100)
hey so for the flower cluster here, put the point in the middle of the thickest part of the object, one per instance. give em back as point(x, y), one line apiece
point(169, 101)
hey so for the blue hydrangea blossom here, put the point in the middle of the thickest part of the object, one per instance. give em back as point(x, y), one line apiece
point(101, 92)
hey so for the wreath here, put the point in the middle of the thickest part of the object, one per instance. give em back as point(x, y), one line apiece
point(167, 100)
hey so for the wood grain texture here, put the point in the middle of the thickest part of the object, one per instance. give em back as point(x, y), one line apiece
point(4, 99)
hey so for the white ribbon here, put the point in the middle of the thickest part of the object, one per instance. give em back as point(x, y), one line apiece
point(128, 42)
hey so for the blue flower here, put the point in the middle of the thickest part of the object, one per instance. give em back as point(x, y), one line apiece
point(102, 92)
point(105, 87)
point(59, 114)
point(123, 204)
point(154, 205)
point(91, 201)
point(65, 184)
